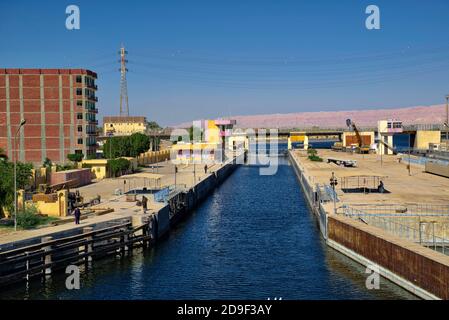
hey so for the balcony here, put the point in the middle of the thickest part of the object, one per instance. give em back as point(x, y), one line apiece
point(92, 98)
point(95, 122)
point(91, 143)
point(92, 86)
point(94, 110)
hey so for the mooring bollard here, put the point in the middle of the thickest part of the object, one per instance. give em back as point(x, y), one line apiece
point(47, 257)
point(88, 248)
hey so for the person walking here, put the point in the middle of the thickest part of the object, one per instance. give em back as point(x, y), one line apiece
point(77, 214)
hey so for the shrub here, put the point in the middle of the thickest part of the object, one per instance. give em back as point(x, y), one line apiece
point(315, 158)
point(313, 155)
point(28, 218)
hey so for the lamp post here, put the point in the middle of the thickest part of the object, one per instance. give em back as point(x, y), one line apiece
point(21, 124)
point(333, 183)
point(447, 119)
point(409, 147)
point(176, 171)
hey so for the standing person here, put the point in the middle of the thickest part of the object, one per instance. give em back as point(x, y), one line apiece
point(144, 204)
point(205, 168)
point(77, 214)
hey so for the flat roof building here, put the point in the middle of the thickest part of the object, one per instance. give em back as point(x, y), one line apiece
point(124, 125)
point(59, 106)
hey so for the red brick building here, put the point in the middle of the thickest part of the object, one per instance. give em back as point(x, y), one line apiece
point(59, 106)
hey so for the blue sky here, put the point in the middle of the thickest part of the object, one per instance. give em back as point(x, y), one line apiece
point(205, 59)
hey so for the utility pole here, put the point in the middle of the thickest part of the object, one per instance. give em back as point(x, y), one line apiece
point(124, 107)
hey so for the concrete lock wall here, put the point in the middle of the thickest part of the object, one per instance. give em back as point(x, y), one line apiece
point(416, 268)
point(163, 221)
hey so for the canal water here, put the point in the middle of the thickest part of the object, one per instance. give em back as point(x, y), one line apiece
point(253, 238)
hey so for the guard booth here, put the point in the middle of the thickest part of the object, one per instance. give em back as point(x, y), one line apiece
point(298, 140)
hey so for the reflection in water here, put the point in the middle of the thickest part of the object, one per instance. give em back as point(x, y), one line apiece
point(253, 238)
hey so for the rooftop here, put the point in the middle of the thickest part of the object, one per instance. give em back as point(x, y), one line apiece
point(48, 71)
point(122, 119)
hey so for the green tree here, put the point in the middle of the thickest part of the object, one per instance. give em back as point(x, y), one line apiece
point(24, 174)
point(153, 125)
point(139, 143)
point(118, 166)
point(75, 157)
point(128, 146)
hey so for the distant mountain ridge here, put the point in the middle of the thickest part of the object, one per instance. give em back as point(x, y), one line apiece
point(433, 114)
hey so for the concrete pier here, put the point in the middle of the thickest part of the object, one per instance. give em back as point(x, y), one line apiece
point(420, 270)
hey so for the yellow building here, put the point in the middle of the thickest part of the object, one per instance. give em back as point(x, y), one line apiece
point(207, 148)
point(198, 152)
point(98, 167)
point(124, 126)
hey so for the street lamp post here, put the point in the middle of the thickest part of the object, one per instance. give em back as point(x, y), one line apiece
point(409, 147)
point(333, 183)
point(447, 119)
point(21, 124)
point(176, 171)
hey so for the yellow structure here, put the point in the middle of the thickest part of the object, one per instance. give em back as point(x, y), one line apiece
point(124, 126)
point(298, 137)
point(53, 204)
point(153, 157)
point(98, 167)
point(426, 137)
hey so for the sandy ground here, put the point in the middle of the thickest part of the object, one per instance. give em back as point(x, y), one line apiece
point(419, 187)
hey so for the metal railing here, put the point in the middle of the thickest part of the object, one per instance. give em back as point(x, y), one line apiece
point(407, 209)
point(427, 225)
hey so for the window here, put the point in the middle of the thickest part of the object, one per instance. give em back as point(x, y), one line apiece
point(80, 128)
point(79, 116)
point(78, 79)
point(79, 91)
point(79, 151)
point(80, 140)
point(79, 103)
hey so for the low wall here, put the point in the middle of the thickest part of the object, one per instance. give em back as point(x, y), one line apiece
point(418, 269)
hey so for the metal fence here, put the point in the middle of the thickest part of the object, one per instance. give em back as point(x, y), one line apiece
point(407, 209)
point(427, 225)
